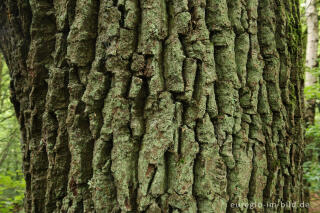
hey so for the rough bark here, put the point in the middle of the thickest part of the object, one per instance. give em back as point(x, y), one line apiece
point(150, 106)
point(311, 54)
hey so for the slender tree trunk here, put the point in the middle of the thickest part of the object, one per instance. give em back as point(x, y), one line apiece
point(311, 63)
point(311, 54)
point(157, 105)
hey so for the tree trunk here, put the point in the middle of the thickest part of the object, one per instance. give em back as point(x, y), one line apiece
point(157, 106)
point(311, 54)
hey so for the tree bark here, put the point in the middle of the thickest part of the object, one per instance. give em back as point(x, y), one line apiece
point(311, 54)
point(157, 106)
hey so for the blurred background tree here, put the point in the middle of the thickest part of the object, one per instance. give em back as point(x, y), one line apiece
point(311, 63)
point(12, 184)
point(310, 27)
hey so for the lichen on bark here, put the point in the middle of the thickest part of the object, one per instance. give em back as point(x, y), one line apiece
point(157, 106)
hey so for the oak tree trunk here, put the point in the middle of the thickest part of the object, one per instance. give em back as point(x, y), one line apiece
point(157, 105)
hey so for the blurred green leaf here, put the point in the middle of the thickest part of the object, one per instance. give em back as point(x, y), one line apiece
point(12, 184)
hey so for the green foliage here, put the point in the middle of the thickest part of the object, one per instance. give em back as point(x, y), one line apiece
point(11, 191)
point(12, 185)
point(311, 164)
point(313, 91)
point(312, 152)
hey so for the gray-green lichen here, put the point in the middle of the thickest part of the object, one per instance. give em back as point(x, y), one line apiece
point(157, 106)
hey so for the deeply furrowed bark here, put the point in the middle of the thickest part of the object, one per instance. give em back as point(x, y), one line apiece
point(157, 106)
